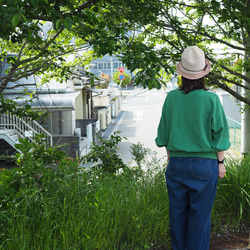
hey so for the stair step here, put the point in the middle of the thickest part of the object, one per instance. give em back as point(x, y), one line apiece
point(15, 138)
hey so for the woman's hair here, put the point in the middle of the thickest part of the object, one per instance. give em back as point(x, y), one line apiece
point(190, 85)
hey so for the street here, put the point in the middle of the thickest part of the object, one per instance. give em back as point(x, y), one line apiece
point(139, 121)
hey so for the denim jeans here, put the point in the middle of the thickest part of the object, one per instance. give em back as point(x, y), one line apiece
point(191, 184)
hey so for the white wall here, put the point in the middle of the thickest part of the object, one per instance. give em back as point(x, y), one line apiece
point(78, 105)
point(231, 108)
point(101, 101)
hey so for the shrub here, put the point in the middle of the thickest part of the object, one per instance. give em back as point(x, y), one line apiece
point(104, 155)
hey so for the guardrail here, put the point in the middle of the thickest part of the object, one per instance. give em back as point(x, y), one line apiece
point(235, 133)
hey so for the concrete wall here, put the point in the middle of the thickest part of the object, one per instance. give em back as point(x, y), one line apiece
point(78, 104)
point(231, 108)
point(104, 114)
point(82, 124)
point(72, 144)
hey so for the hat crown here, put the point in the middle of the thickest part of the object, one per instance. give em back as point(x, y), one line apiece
point(193, 64)
point(193, 59)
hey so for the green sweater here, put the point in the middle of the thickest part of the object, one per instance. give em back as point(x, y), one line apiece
point(193, 125)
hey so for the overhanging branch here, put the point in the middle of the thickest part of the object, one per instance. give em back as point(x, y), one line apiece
point(213, 81)
point(247, 79)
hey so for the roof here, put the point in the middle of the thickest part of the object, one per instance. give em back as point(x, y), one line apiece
point(62, 100)
point(97, 91)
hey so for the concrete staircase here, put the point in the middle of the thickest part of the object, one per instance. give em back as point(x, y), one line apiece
point(12, 128)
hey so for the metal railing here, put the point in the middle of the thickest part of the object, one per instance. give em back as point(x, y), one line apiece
point(23, 127)
point(235, 133)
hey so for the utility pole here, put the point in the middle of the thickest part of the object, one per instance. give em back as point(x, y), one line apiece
point(111, 77)
point(245, 116)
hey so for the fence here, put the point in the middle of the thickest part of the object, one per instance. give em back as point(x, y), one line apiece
point(23, 127)
point(235, 133)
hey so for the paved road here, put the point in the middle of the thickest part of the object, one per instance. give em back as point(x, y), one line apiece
point(138, 121)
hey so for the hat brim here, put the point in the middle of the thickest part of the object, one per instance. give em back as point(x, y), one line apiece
point(194, 75)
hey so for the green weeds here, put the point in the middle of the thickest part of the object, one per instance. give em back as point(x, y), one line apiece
point(49, 202)
point(232, 204)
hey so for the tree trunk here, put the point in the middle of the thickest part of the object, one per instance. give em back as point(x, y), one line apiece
point(245, 117)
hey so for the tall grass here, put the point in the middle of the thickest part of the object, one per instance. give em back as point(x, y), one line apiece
point(61, 206)
point(89, 213)
point(232, 204)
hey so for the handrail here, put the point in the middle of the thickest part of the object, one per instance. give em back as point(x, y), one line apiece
point(25, 127)
point(235, 133)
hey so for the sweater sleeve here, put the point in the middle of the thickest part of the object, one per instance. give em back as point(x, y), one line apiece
point(220, 131)
point(161, 139)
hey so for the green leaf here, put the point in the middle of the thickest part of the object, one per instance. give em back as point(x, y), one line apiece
point(171, 70)
point(15, 20)
point(157, 84)
point(67, 23)
point(34, 3)
point(58, 24)
point(133, 68)
point(71, 6)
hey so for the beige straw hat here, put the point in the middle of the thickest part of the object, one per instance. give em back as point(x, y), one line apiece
point(193, 64)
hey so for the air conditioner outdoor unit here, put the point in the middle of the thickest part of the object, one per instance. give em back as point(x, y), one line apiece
point(102, 115)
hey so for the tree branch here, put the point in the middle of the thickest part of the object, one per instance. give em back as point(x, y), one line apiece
point(213, 81)
point(247, 79)
point(20, 85)
point(230, 81)
point(35, 64)
point(220, 27)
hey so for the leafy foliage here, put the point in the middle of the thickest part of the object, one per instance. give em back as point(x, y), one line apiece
point(37, 165)
point(42, 34)
point(166, 28)
point(139, 153)
point(104, 155)
point(31, 152)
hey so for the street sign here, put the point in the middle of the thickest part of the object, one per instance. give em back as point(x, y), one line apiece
point(121, 77)
point(121, 70)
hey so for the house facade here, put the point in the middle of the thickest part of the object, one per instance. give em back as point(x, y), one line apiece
point(75, 113)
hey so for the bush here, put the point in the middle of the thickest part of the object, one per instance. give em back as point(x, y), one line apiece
point(104, 156)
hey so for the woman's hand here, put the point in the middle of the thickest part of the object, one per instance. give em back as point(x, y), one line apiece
point(222, 170)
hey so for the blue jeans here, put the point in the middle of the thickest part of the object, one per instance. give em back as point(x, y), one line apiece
point(191, 184)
